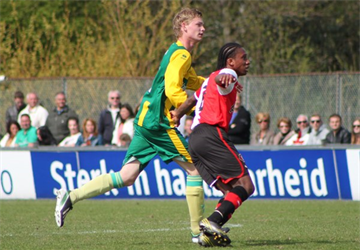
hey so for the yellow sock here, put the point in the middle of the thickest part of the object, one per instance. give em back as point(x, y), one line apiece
point(95, 187)
point(195, 201)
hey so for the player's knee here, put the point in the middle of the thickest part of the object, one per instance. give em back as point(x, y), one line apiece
point(250, 189)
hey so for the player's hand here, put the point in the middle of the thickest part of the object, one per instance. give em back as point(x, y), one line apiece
point(239, 88)
point(175, 117)
point(224, 80)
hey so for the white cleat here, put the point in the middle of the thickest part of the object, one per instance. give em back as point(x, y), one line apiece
point(63, 206)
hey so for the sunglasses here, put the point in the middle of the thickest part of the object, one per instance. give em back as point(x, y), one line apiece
point(356, 126)
point(284, 126)
point(317, 121)
point(117, 98)
point(299, 122)
point(263, 121)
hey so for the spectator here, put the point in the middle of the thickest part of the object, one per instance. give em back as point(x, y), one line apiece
point(284, 125)
point(90, 135)
point(12, 127)
point(45, 137)
point(26, 137)
point(13, 111)
point(302, 133)
point(37, 113)
point(187, 127)
point(355, 133)
point(265, 136)
point(125, 140)
point(70, 140)
point(109, 116)
point(239, 129)
point(57, 121)
point(338, 134)
point(318, 130)
point(124, 125)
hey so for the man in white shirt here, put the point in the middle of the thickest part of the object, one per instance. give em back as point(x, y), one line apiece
point(37, 113)
point(302, 132)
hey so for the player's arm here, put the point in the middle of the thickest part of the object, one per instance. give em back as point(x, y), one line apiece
point(184, 108)
point(179, 64)
point(226, 81)
point(194, 81)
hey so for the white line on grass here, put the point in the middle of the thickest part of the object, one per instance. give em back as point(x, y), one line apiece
point(62, 232)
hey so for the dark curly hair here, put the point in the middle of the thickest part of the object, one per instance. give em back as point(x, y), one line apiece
point(9, 123)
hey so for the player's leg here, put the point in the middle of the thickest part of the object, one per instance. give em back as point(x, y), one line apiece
point(236, 192)
point(194, 197)
point(104, 183)
point(97, 186)
point(138, 154)
point(170, 145)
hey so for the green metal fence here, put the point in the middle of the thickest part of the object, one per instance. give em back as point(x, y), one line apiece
point(280, 95)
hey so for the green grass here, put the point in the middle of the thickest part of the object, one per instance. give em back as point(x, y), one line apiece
point(163, 224)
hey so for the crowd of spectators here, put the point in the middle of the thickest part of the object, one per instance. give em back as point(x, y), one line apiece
point(31, 125)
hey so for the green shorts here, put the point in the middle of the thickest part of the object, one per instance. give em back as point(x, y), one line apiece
point(146, 144)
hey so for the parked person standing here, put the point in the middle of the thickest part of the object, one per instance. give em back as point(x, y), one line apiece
point(13, 111)
point(264, 136)
point(318, 130)
point(355, 133)
point(110, 116)
point(38, 114)
point(155, 132)
point(57, 121)
point(284, 125)
point(240, 124)
point(338, 134)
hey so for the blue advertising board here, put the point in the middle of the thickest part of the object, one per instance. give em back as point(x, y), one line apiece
point(277, 174)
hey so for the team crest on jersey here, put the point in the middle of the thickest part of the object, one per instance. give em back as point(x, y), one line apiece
point(183, 56)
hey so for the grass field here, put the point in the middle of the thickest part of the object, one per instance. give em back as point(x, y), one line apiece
point(163, 224)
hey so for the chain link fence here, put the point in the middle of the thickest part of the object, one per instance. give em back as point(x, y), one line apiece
point(279, 95)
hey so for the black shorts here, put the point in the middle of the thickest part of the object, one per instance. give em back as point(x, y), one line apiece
point(214, 156)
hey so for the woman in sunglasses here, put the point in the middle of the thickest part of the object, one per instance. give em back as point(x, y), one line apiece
point(355, 132)
point(264, 136)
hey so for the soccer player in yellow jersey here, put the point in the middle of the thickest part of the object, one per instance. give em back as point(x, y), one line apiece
point(155, 132)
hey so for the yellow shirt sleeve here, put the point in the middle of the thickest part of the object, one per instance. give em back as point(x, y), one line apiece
point(194, 81)
point(177, 70)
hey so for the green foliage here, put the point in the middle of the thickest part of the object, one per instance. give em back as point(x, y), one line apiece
point(128, 37)
point(164, 224)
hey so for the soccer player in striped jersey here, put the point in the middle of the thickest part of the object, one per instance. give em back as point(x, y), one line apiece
point(155, 133)
point(213, 154)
